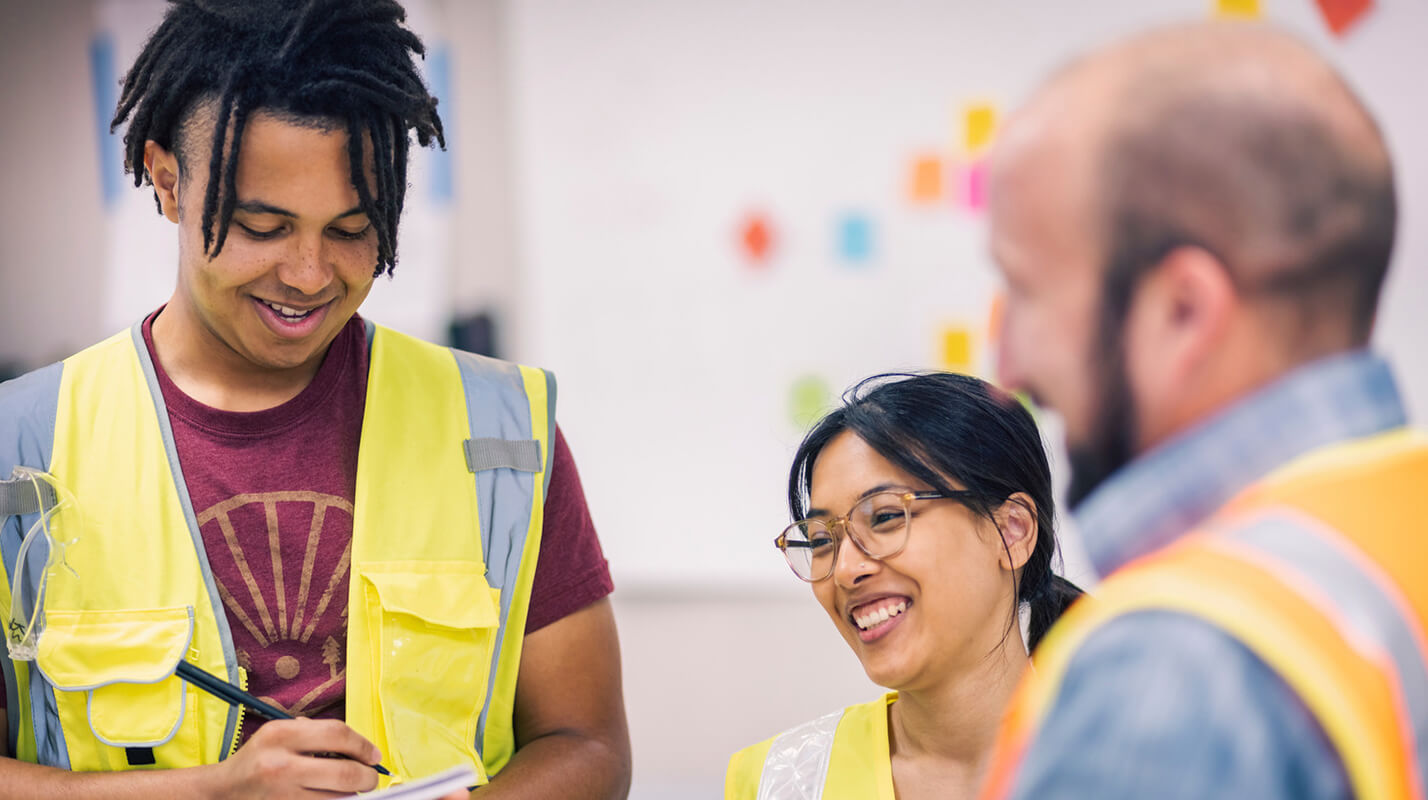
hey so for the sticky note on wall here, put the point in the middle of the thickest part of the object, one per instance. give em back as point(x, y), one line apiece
point(974, 186)
point(1340, 15)
point(924, 180)
point(979, 126)
point(855, 238)
point(955, 348)
point(1238, 9)
point(809, 398)
point(756, 238)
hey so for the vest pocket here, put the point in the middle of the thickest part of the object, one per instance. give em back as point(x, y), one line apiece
point(115, 688)
point(433, 626)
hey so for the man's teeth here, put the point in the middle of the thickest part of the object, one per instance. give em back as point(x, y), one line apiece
point(290, 313)
point(881, 615)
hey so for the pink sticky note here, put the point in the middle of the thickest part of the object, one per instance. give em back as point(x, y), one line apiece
point(974, 186)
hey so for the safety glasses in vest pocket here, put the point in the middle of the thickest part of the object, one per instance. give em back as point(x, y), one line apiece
point(31, 492)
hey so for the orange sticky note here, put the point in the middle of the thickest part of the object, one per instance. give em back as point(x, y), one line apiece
point(979, 125)
point(1238, 9)
point(756, 238)
point(995, 313)
point(924, 183)
point(956, 348)
point(1342, 14)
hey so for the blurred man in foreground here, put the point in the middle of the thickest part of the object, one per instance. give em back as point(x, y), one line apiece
point(1194, 226)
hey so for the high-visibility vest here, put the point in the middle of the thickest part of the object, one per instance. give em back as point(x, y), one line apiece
point(1321, 570)
point(452, 471)
point(839, 756)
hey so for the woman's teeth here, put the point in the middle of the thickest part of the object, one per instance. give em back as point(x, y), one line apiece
point(872, 618)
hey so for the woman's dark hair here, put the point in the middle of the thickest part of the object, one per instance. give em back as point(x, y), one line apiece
point(340, 63)
point(942, 427)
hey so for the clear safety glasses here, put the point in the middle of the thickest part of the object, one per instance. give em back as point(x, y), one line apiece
point(41, 552)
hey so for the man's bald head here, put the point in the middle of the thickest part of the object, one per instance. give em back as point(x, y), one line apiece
point(1179, 219)
point(1238, 139)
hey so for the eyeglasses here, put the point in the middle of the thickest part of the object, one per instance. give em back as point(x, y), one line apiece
point(878, 525)
point(38, 556)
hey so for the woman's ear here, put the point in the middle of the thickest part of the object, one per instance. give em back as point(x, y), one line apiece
point(1016, 517)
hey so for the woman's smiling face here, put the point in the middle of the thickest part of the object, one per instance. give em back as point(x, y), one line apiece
point(932, 611)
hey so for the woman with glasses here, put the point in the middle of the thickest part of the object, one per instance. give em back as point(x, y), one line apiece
point(924, 525)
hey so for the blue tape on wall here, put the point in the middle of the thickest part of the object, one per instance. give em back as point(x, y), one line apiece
point(106, 96)
point(438, 76)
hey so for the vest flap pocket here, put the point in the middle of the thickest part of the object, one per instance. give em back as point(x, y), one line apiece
point(123, 661)
point(433, 625)
point(448, 594)
point(82, 650)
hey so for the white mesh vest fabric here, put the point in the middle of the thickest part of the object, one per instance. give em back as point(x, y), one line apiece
point(796, 767)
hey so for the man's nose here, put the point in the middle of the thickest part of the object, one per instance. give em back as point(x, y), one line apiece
point(307, 270)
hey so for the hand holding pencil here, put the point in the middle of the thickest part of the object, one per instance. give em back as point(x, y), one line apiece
point(288, 755)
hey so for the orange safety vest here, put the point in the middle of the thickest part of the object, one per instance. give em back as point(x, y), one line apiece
point(1321, 570)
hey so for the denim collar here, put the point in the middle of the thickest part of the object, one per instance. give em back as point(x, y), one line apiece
point(1160, 496)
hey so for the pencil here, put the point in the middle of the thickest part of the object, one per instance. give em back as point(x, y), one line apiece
point(234, 696)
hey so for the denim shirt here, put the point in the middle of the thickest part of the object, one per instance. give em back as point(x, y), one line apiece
point(1161, 704)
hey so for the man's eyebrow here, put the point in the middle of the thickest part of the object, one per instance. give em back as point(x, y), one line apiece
point(259, 207)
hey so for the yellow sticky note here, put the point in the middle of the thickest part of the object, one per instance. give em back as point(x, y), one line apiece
point(1238, 9)
point(924, 183)
point(956, 342)
point(979, 125)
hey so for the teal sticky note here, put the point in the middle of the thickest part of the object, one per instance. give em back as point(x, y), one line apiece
point(855, 238)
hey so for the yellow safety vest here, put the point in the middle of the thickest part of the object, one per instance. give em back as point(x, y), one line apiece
point(1321, 570)
point(840, 756)
point(451, 477)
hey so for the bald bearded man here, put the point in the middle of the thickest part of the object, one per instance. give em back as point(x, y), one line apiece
point(1194, 226)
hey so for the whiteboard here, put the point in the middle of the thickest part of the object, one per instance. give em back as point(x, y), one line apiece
point(645, 132)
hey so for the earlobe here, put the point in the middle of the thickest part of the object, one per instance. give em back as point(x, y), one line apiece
point(1017, 520)
point(163, 169)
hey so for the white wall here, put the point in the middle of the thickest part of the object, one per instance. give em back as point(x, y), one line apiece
point(645, 129)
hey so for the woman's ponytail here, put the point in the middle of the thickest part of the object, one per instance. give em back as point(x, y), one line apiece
point(1056, 595)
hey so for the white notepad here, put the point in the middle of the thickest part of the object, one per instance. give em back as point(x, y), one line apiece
point(428, 788)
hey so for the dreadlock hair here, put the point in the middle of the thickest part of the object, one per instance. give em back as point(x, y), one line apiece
point(331, 63)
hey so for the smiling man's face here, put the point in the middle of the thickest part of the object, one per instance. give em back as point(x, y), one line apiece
point(299, 256)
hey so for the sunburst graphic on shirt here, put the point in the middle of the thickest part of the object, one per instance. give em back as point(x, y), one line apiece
point(278, 624)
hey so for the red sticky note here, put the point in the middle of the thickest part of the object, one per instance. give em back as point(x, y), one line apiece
point(1342, 14)
point(925, 180)
point(756, 238)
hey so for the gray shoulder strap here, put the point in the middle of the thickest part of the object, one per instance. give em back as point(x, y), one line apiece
point(506, 458)
point(24, 496)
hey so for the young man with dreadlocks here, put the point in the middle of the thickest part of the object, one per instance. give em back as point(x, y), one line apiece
point(385, 538)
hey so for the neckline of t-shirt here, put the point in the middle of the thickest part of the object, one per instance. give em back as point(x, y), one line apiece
point(269, 421)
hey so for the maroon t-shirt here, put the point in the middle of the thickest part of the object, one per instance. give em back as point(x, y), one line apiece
point(273, 494)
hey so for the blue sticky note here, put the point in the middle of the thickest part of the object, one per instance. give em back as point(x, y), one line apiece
point(855, 238)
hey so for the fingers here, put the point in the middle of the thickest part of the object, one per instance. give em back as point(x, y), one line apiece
point(304, 757)
point(322, 736)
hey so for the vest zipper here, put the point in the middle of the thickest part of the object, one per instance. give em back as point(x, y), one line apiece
point(242, 710)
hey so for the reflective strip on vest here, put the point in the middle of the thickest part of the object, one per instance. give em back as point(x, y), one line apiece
point(506, 525)
point(797, 764)
point(27, 429)
point(1362, 602)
